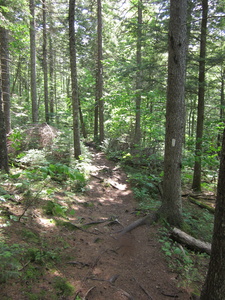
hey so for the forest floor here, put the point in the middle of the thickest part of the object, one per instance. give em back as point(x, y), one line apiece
point(90, 254)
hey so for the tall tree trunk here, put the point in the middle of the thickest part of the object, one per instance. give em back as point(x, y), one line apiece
point(3, 145)
point(214, 287)
point(222, 104)
point(175, 113)
point(137, 133)
point(196, 184)
point(82, 124)
point(45, 62)
point(4, 43)
point(51, 64)
point(33, 62)
point(96, 116)
point(73, 66)
point(16, 76)
point(51, 77)
point(99, 82)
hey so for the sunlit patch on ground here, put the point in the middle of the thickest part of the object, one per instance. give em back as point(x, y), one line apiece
point(46, 222)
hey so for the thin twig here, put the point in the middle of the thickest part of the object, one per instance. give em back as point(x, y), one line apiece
point(93, 287)
point(144, 290)
point(31, 202)
point(24, 266)
point(126, 294)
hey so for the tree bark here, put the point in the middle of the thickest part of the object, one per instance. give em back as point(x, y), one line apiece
point(33, 62)
point(4, 43)
point(3, 145)
point(171, 207)
point(196, 185)
point(99, 83)
point(51, 66)
point(222, 105)
point(73, 66)
point(82, 124)
point(51, 78)
point(45, 62)
point(214, 287)
point(137, 133)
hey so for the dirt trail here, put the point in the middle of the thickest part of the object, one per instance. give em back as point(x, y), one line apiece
point(112, 267)
point(95, 259)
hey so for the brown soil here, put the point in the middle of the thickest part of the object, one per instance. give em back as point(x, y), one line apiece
point(98, 262)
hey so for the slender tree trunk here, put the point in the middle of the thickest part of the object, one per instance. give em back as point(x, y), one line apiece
point(33, 63)
point(45, 62)
point(3, 145)
point(137, 133)
point(16, 76)
point(222, 104)
point(4, 43)
point(99, 83)
point(51, 78)
point(196, 185)
point(96, 115)
point(214, 287)
point(73, 66)
point(171, 207)
point(51, 64)
point(83, 129)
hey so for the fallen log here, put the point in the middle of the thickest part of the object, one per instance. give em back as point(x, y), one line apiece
point(202, 205)
point(189, 241)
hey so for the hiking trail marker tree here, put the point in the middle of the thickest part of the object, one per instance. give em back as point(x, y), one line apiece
point(171, 207)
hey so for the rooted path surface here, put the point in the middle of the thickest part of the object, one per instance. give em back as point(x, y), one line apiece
point(113, 267)
point(99, 263)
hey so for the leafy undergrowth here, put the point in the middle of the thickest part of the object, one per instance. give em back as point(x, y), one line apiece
point(41, 198)
point(26, 253)
point(37, 194)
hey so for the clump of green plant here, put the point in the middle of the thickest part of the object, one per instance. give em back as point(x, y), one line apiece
point(59, 151)
point(41, 256)
point(63, 287)
point(198, 222)
point(55, 209)
point(145, 188)
point(16, 138)
point(31, 273)
point(189, 266)
point(61, 172)
point(29, 235)
point(9, 261)
point(149, 204)
point(33, 157)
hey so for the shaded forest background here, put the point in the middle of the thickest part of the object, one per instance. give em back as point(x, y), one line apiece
point(120, 71)
point(74, 72)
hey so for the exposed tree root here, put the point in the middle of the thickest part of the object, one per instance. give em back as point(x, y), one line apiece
point(147, 220)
